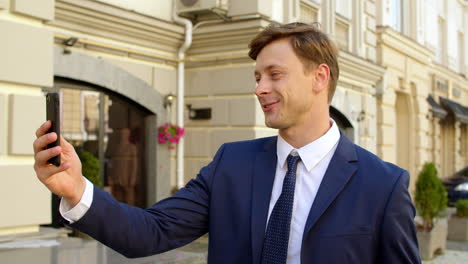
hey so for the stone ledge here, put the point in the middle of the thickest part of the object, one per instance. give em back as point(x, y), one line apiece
point(44, 232)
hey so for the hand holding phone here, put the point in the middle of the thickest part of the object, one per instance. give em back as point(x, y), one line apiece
point(53, 114)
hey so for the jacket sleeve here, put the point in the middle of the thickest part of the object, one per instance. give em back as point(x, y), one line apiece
point(168, 224)
point(398, 242)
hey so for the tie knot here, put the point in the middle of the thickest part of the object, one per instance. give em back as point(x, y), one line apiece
point(292, 160)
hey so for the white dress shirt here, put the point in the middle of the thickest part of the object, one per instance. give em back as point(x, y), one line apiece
point(315, 158)
point(74, 214)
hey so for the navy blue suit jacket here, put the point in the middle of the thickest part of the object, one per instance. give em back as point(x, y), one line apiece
point(362, 212)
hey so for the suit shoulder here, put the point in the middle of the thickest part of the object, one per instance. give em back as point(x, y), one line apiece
point(251, 145)
point(382, 169)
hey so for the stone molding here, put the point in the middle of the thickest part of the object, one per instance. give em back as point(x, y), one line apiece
point(447, 74)
point(226, 38)
point(390, 37)
point(43, 9)
point(361, 69)
point(102, 20)
point(81, 67)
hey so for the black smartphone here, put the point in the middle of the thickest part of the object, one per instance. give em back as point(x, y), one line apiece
point(53, 114)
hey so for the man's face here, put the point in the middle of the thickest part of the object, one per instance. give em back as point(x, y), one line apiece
point(284, 89)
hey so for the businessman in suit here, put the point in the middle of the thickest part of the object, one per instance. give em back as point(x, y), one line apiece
point(308, 195)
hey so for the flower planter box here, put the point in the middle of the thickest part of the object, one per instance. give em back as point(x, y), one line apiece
point(458, 229)
point(434, 240)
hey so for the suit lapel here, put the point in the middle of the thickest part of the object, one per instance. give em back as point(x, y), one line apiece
point(339, 172)
point(262, 185)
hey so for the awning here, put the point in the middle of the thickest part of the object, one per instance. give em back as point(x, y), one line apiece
point(437, 110)
point(459, 111)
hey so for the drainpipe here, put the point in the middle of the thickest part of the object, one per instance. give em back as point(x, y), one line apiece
point(181, 89)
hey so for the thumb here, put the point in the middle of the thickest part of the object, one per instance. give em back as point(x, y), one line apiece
point(67, 147)
point(65, 143)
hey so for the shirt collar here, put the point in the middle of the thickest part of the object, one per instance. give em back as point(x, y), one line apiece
point(312, 153)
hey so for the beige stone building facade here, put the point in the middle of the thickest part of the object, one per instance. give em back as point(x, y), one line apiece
point(115, 62)
point(422, 110)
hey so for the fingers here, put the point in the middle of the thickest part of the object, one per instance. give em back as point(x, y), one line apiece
point(43, 128)
point(43, 156)
point(42, 166)
point(43, 172)
point(41, 142)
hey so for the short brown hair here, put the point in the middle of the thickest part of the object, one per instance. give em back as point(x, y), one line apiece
point(312, 46)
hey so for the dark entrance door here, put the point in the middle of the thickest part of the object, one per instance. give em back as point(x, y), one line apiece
point(108, 131)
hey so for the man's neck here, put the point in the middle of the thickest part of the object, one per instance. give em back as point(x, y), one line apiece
point(299, 136)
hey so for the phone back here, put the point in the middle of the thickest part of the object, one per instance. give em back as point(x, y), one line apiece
point(53, 114)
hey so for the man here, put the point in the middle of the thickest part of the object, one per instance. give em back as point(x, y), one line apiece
point(306, 196)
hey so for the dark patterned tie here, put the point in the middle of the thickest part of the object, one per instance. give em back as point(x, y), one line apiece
point(275, 247)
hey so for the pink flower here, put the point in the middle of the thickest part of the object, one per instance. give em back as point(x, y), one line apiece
point(180, 131)
point(170, 133)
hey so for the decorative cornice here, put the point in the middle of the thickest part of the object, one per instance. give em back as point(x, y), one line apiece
point(101, 20)
point(224, 43)
point(225, 37)
point(447, 74)
point(403, 44)
point(463, 3)
point(361, 70)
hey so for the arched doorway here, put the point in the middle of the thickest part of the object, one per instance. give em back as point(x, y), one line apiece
point(103, 79)
point(448, 141)
point(403, 131)
point(108, 133)
point(343, 123)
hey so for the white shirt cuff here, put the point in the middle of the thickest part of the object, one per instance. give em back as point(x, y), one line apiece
point(74, 214)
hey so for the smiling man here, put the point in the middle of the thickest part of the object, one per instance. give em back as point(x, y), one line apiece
point(308, 195)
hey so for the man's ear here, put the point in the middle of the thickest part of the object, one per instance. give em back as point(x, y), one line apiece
point(322, 78)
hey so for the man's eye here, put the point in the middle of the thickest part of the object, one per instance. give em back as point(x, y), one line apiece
point(275, 75)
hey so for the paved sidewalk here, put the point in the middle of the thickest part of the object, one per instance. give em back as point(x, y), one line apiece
point(456, 253)
point(72, 250)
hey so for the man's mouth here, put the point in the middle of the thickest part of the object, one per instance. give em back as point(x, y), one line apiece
point(267, 107)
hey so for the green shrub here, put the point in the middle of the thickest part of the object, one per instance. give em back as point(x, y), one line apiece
point(430, 196)
point(90, 167)
point(462, 208)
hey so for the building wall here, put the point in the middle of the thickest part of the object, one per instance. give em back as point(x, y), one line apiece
point(220, 75)
point(141, 45)
point(387, 70)
point(426, 48)
point(26, 67)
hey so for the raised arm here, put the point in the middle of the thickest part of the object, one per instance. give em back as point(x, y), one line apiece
point(132, 231)
point(170, 223)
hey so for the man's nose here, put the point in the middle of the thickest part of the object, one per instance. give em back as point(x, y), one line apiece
point(263, 88)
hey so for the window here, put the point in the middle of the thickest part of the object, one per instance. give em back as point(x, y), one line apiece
point(441, 43)
point(277, 10)
point(342, 30)
point(344, 8)
point(461, 53)
point(309, 12)
point(396, 18)
point(343, 24)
